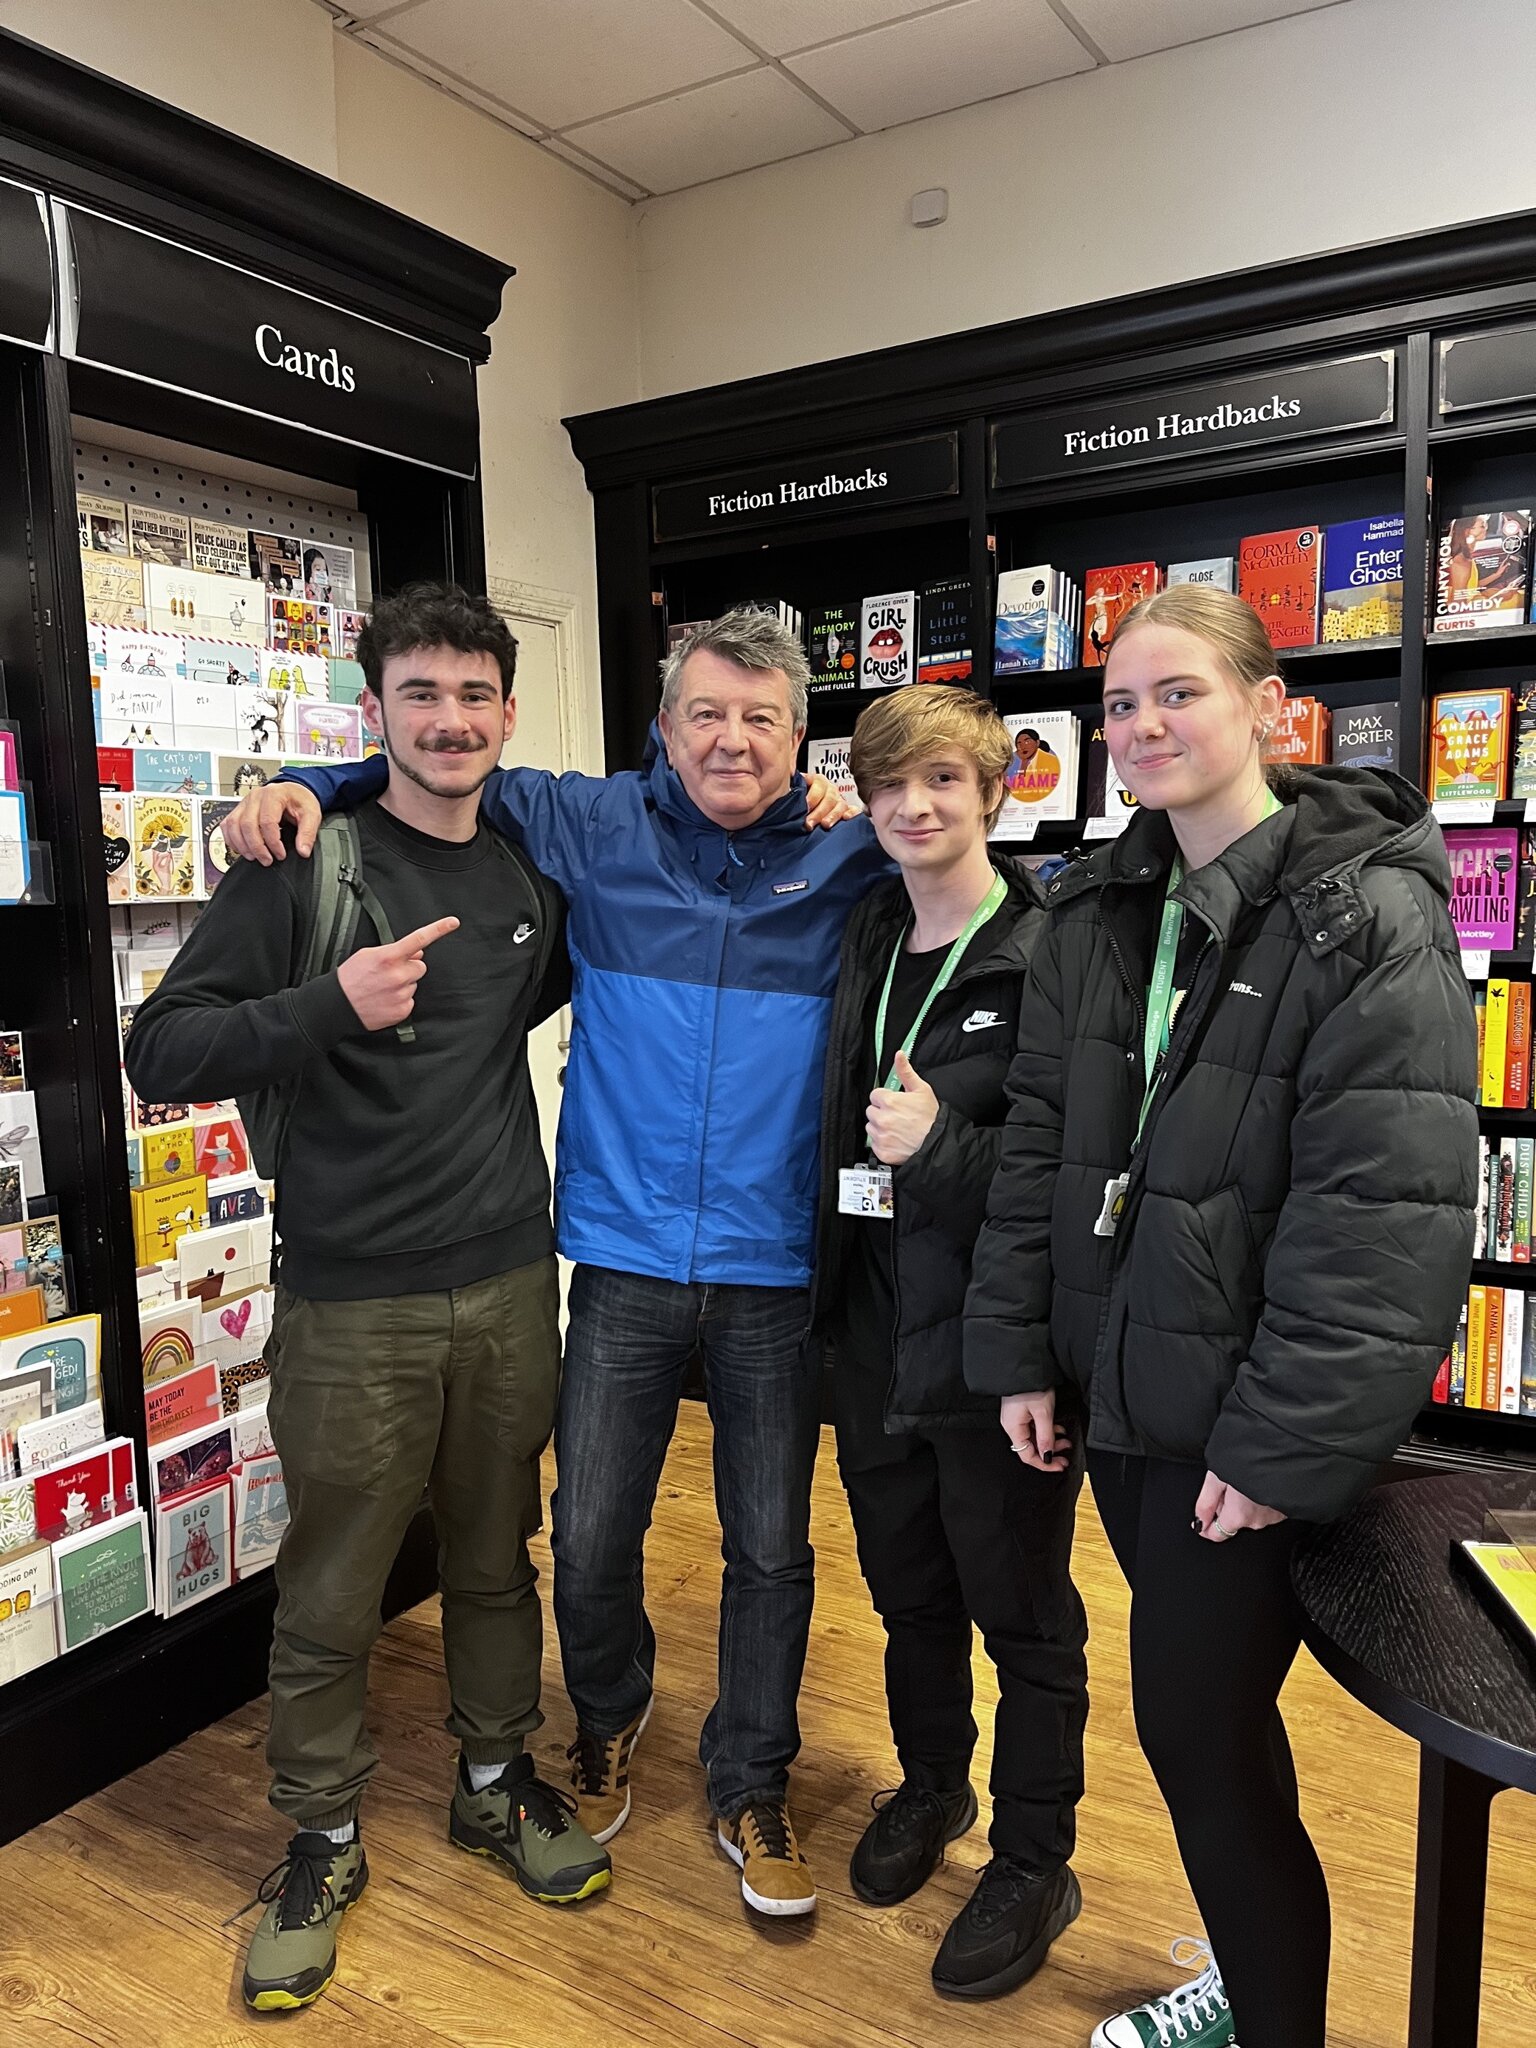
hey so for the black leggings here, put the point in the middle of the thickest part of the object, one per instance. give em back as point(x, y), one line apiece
point(1215, 1628)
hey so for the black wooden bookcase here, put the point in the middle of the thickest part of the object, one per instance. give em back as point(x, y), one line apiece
point(410, 310)
point(1412, 365)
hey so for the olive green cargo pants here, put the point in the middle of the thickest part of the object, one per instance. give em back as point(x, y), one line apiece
point(371, 1402)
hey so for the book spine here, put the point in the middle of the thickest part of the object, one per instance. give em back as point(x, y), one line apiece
point(1525, 1197)
point(1504, 1243)
point(1440, 1392)
point(1477, 1346)
point(1511, 1351)
point(1480, 1229)
point(1528, 1367)
point(1493, 1350)
point(1480, 1005)
point(1517, 1053)
point(1495, 1044)
point(1458, 1390)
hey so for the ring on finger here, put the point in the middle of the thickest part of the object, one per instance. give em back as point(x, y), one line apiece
point(1226, 1535)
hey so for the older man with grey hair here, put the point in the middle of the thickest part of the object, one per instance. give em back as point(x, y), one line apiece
point(705, 925)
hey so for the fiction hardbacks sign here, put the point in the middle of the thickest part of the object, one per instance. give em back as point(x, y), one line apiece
point(867, 479)
point(145, 307)
point(1356, 392)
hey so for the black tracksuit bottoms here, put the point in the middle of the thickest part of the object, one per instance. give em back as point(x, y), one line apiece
point(953, 1530)
point(1215, 1628)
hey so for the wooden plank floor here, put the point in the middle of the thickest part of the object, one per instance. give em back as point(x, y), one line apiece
point(113, 1917)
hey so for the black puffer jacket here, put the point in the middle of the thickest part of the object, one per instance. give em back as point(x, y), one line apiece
point(941, 1191)
point(1298, 1228)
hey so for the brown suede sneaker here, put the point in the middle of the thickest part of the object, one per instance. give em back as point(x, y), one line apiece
point(775, 1877)
point(600, 1776)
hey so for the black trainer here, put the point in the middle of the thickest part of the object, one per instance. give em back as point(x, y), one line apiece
point(904, 1844)
point(1002, 1934)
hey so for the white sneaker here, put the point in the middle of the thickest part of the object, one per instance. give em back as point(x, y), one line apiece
point(1197, 2012)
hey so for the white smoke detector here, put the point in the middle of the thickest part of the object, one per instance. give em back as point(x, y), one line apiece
point(930, 209)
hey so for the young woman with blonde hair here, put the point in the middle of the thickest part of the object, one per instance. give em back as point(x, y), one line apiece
point(1233, 1215)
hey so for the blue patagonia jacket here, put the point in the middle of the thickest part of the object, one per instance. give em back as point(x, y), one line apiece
point(704, 965)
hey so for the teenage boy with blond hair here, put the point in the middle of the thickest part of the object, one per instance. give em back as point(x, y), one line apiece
point(953, 1531)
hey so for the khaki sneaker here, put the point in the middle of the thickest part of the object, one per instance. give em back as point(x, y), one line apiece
point(531, 1828)
point(292, 1956)
point(775, 1877)
point(600, 1776)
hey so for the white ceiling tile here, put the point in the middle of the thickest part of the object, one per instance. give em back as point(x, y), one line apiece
point(381, 40)
point(371, 10)
point(962, 54)
point(1132, 28)
point(709, 133)
point(560, 62)
point(780, 25)
point(594, 167)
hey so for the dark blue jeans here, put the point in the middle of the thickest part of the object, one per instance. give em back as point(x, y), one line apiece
point(626, 1351)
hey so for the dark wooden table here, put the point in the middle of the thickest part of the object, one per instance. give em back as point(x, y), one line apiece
point(1390, 1618)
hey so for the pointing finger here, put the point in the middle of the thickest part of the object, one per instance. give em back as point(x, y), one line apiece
point(425, 935)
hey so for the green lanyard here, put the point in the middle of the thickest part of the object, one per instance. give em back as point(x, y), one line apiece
point(1154, 1039)
point(977, 919)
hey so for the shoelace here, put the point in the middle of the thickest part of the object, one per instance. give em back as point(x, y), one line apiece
point(1002, 1885)
point(770, 1825)
point(545, 1805)
point(1201, 2000)
point(906, 1807)
point(589, 1763)
point(302, 1880)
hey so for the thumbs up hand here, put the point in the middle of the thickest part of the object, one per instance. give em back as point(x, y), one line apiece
point(380, 981)
point(899, 1120)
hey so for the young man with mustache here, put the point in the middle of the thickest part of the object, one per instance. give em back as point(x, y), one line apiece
point(415, 1340)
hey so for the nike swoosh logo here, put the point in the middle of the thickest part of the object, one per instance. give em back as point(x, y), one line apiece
point(524, 931)
point(984, 1020)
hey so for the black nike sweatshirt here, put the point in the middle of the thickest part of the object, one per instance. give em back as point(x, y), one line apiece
point(408, 1168)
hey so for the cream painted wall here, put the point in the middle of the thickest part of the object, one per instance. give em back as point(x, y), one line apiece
point(259, 67)
point(1358, 123)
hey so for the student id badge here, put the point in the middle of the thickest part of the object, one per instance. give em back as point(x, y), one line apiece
point(1114, 1205)
point(865, 1191)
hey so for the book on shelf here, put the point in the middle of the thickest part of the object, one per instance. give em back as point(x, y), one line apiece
point(1365, 735)
point(1484, 877)
point(1495, 1042)
point(1477, 1329)
point(1522, 766)
point(1469, 746)
point(944, 632)
point(829, 759)
point(834, 647)
point(1040, 782)
point(888, 640)
point(1216, 572)
point(1493, 1349)
point(1104, 794)
point(1483, 571)
point(1108, 594)
point(1039, 616)
point(1363, 579)
point(1517, 1055)
point(1504, 1196)
point(1525, 1176)
point(1300, 735)
point(1511, 1351)
point(1280, 575)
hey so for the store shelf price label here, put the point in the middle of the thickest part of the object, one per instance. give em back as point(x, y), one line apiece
point(1476, 966)
point(1106, 828)
point(1530, 810)
point(1465, 811)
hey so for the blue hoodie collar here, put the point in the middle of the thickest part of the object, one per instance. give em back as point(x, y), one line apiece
point(780, 819)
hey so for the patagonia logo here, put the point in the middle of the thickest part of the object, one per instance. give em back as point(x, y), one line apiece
point(1244, 988)
point(980, 1020)
point(789, 888)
